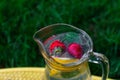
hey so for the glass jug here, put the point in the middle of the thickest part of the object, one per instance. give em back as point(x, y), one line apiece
point(62, 69)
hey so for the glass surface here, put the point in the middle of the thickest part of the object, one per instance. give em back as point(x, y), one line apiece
point(67, 51)
point(80, 73)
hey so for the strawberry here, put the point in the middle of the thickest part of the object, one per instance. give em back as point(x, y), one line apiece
point(75, 50)
point(57, 47)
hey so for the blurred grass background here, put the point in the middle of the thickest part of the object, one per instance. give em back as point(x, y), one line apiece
point(19, 19)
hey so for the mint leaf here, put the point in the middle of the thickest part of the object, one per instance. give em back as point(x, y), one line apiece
point(71, 37)
point(70, 74)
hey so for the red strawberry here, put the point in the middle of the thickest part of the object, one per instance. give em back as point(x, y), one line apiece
point(56, 46)
point(75, 50)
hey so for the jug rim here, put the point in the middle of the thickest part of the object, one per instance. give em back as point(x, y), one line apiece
point(47, 57)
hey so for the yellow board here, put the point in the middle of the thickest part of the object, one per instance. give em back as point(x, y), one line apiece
point(27, 74)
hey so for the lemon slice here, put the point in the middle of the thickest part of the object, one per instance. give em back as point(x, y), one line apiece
point(53, 72)
point(65, 60)
point(60, 60)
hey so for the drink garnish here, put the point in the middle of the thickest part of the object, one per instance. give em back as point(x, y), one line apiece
point(75, 50)
point(57, 48)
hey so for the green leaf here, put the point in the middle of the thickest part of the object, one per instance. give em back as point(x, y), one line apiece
point(71, 37)
point(70, 74)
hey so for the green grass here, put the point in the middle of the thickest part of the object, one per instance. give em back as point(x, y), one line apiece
point(19, 19)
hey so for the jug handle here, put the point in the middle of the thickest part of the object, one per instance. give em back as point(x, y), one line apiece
point(101, 59)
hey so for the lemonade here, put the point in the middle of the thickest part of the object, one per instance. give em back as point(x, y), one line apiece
point(79, 74)
point(66, 48)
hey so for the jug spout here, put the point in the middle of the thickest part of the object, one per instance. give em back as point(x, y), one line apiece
point(39, 42)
